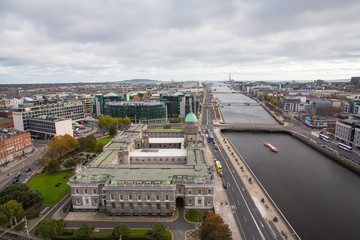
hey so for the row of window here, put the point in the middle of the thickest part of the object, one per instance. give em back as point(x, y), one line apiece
point(139, 197)
point(148, 196)
point(140, 206)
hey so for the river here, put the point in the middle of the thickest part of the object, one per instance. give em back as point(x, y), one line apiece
point(320, 198)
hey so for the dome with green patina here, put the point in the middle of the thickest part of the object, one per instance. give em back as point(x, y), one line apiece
point(191, 117)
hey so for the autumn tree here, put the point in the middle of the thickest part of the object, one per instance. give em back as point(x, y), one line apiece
point(214, 228)
point(10, 211)
point(60, 145)
point(44, 161)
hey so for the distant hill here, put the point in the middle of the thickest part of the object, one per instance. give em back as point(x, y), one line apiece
point(140, 81)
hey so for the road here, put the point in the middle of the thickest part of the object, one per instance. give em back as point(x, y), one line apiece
point(250, 222)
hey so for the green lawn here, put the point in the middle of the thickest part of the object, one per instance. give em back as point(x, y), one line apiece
point(45, 182)
point(137, 234)
point(194, 216)
point(163, 128)
point(105, 140)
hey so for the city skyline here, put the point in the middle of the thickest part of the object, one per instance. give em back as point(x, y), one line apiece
point(70, 42)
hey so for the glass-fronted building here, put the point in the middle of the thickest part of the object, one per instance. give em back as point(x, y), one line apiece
point(147, 112)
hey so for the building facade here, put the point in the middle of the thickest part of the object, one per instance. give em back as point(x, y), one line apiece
point(6, 123)
point(180, 104)
point(44, 127)
point(72, 110)
point(14, 144)
point(146, 112)
point(348, 132)
point(140, 174)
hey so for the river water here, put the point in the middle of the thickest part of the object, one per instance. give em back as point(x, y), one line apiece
point(320, 198)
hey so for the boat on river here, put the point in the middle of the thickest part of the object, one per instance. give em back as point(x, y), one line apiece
point(271, 147)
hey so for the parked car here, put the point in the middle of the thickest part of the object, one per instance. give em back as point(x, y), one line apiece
point(224, 185)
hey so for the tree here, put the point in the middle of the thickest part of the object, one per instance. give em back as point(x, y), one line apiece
point(60, 145)
point(112, 130)
point(120, 231)
point(167, 126)
point(52, 166)
point(126, 121)
point(50, 228)
point(213, 228)
point(120, 122)
point(22, 193)
point(44, 161)
point(158, 231)
point(107, 122)
point(8, 211)
point(88, 142)
point(70, 163)
point(99, 147)
point(84, 231)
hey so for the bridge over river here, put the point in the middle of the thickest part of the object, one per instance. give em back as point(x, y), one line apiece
point(254, 127)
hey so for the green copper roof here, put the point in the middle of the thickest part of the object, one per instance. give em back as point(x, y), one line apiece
point(191, 117)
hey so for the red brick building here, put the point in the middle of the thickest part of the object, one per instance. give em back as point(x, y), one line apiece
point(6, 123)
point(13, 144)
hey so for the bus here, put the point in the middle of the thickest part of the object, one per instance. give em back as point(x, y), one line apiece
point(344, 147)
point(218, 166)
point(324, 137)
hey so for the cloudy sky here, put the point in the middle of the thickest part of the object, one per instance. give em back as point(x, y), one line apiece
point(91, 41)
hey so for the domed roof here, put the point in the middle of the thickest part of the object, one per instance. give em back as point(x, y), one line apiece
point(191, 117)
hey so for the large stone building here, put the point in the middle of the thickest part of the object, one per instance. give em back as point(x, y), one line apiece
point(147, 172)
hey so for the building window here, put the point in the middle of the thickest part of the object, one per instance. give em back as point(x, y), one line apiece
point(122, 206)
point(179, 191)
point(112, 197)
point(209, 202)
point(85, 191)
point(139, 197)
point(189, 202)
point(131, 206)
point(140, 206)
point(209, 191)
point(77, 201)
point(199, 201)
point(148, 197)
point(121, 197)
point(76, 191)
point(130, 197)
point(95, 201)
point(94, 191)
point(149, 207)
point(189, 192)
point(158, 206)
point(199, 191)
point(167, 206)
point(157, 197)
point(113, 205)
point(166, 197)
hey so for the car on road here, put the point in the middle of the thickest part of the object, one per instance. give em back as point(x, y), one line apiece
point(28, 170)
point(225, 185)
point(99, 136)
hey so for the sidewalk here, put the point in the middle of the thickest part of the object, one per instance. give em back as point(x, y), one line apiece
point(266, 208)
point(223, 210)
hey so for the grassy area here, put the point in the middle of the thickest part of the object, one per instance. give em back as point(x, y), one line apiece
point(46, 182)
point(163, 128)
point(134, 234)
point(105, 140)
point(194, 216)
